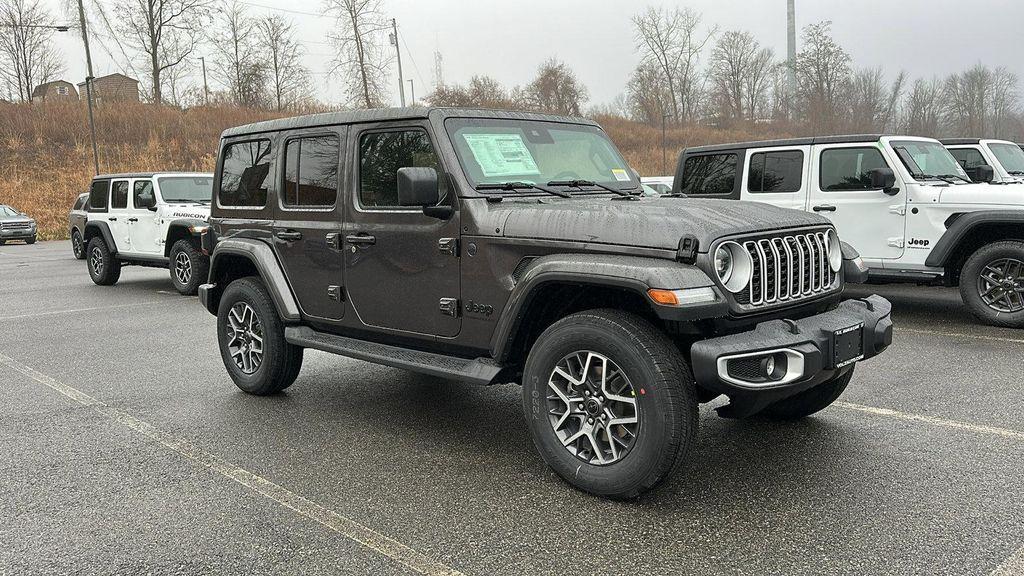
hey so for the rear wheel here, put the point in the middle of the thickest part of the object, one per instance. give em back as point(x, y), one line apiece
point(104, 267)
point(809, 401)
point(189, 267)
point(992, 284)
point(251, 339)
point(611, 403)
point(77, 245)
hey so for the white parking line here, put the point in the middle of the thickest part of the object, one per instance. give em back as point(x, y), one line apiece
point(76, 310)
point(1013, 566)
point(342, 525)
point(961, 335)
point(981, 429)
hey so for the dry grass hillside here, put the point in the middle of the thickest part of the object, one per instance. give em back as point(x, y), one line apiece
point(46, 157)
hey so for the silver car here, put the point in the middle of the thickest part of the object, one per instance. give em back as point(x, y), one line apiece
point(15, 225)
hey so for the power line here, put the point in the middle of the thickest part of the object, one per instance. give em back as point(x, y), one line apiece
point(288, 10)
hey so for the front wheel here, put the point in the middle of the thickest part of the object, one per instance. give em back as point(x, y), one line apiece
point(31, 240)
point(611, 403)
point(189, 267)
point(251, 339)
point(992, 284)
point(104, 267)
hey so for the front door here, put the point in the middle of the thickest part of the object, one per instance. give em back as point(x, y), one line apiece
point(119, 217)
point(866, 218)
point(307, 226)
point(145, 228)
point(401, 267)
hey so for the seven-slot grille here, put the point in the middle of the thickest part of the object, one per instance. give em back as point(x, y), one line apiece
point(787, 268)
point(15, 225)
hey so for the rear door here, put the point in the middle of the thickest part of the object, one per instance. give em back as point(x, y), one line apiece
point(777, 176)
point(118, 216)
point(871, 221)
point(146, 227)
point(307, 224)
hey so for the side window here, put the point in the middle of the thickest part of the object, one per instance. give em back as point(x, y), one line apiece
point(847, 168)
point(119, 195)
point(710, 174)
point(776, 171)
point(246, 174)
point(381, 154)
point(142, 188)
point(98, 195)
point(79, 204)
point(311, 172)
point(969, 158)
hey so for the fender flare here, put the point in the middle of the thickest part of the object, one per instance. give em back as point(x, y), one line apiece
point(182, 223)
point(104, 231)
point(633, 273)
point(262, 257)
point(964, 225)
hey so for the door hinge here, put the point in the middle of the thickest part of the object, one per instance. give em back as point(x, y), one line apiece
point(896, 242)
point(335, 293)
point(449, 246)
point(449, 306)
point(900, 209)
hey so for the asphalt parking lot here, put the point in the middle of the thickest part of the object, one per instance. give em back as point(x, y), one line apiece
point(127, 449)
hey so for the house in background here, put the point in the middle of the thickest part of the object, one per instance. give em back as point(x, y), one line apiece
point(58, 90)
point(113, 88)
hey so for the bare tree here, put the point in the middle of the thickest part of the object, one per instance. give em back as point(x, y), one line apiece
point(481, 92)
point(555, 89)
point(165, 31)
point(923, 108)
point(361, 60)
point(27, 55)
point(873, 103)
point(740, 72)
point(286, 74)
point(1004, 102)
point(238, 61)
point(648, 97)
point(822, 73)
point(671, 41)
point(966, 95)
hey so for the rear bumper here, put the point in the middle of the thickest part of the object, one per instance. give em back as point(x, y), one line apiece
point(803, 353)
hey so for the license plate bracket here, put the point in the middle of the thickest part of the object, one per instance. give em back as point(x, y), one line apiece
point(847, 345)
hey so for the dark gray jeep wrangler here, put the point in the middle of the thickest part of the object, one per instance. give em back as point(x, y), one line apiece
point(496, 247)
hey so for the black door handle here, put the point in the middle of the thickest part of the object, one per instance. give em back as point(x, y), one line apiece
point(288, 235)
point(363, 239)
point(824, 208)
point(112, 219)
point(133, 219)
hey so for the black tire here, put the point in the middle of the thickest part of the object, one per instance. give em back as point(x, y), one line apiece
point(280, 362)
point(104, 268)
point(2, 242)
point(662, 384)
point(809, 401)
point(189, 267)
point(1007, 315)
point(31, 240)
point(77, 245)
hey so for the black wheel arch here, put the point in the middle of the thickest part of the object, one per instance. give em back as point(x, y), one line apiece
point(95, 228)
point(240, 257)
point(183, 228)
point(968, 231)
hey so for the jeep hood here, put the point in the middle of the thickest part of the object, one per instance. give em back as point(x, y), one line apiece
point(647, 222)
point(1010, 195)
point(16, 219)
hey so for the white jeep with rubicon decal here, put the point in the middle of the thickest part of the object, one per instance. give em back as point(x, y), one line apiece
point(153, 220)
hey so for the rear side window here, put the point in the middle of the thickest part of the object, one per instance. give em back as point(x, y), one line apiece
point(119, 195)
point(381, 154)
point(311, 172)
point(80, 203)
point(710, 174)
point(780, 171)
point(246, 174)
point(968, 157)
point(98, 195)
point(848, 168)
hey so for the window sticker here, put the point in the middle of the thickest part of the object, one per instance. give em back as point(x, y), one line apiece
point(620, 174)
point(501, 154)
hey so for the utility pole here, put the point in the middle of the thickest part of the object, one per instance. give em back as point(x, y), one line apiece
point(412, 93)
point(88, 86)
point(791, 48)
point(398, 54)
point(206, 89)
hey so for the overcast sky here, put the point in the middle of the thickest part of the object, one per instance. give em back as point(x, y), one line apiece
point(508, 39)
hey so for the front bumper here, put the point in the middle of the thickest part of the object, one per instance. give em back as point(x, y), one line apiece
point(805, 348)
point(18, 234)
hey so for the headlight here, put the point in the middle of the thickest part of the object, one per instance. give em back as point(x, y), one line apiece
point(733, 266)
point(835, 252)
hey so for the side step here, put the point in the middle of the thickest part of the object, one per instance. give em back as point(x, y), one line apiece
point(477, 371)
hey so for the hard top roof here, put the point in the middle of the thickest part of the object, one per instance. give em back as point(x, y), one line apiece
point(788, 142)
point(389, 115)
point(147, 175)
point(956, 141)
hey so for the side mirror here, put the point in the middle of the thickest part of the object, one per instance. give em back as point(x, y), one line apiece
point(417, 186)
point(985, 173)
point(884, 179)
point(147, 201)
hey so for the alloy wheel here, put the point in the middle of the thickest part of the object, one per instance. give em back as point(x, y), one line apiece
point(76, 245)
point(592, 408)
point(245, 338)
point(96, 260)
point(1001, 285)
point(183, 268)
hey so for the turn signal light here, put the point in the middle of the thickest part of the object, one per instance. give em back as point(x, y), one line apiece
point(682, 297)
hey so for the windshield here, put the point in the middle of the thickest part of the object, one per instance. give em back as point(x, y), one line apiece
point(493, 151)
point(186, 189)
point(6, 210)
point(927, 160)
point(1010, 156)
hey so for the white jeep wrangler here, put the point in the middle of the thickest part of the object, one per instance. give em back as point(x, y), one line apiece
point(1005, 158)
point(151, 220)
point(903, 202)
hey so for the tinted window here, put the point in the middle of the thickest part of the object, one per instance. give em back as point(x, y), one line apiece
point(142, 187)
point(246, 174)
point(80, 203)
point(98, 195)
point(711, 174)
point(119, 195)
point(311, 171)
point(381, 154)
point(967, 157)
point(776, 171)
point(847, 168)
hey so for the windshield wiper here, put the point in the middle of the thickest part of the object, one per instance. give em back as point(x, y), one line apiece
point(1016, 172)
point(516, 186)
point(582, 183)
